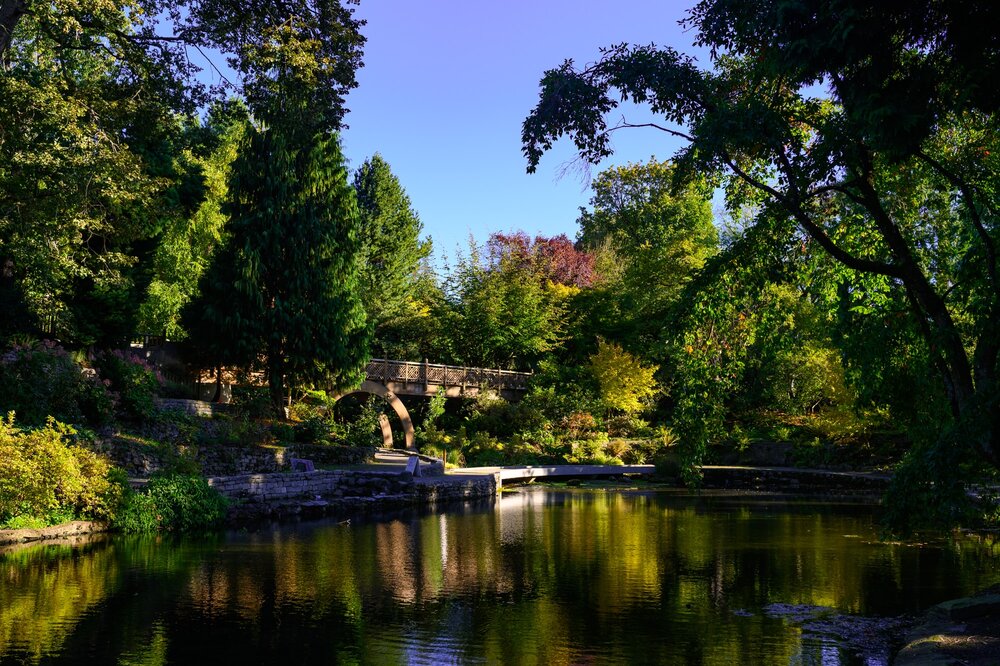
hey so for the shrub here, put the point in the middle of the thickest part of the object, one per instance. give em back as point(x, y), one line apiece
point(313, 429)
point(172, 502)
point(618, 448)
point(43, 380)
point(365, 430)
point(626, 384)
point(579, 425)
point(224, 430)
point(251, 402)
point(45, 476)
point(627, 425)
point(481, 449)
point(133, 379)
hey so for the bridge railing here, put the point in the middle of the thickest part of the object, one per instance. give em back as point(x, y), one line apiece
point(384, 370)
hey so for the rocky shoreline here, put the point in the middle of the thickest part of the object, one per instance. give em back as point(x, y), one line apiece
point(959, 631)
point(69, 530)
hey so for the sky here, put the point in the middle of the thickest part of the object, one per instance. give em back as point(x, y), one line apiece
point(446, 85)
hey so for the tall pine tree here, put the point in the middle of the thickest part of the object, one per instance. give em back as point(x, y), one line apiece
point(285, 288)
point(391, 245)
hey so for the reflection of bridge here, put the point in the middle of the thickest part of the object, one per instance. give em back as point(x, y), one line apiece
point(390, 379)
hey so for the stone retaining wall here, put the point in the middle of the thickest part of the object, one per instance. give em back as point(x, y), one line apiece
point(309, 485)
point(140, 459)
point(196, 407)
point(793, 480)
point(323, 492)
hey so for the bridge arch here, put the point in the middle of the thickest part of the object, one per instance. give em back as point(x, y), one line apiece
point(374, 388)
point(389, 379)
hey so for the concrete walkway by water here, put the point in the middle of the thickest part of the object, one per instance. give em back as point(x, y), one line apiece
point(528, 472)
point(396, 460)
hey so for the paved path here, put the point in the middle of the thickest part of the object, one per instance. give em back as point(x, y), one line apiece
point(526, 472)
point(396, 460)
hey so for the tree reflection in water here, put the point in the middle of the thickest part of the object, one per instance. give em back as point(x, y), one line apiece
point(539, 577)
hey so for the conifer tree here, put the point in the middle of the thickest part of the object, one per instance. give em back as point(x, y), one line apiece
point(285, 288)
point(294, 247)
point(391, 245)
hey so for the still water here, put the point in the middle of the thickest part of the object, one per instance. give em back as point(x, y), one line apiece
point(541, 577)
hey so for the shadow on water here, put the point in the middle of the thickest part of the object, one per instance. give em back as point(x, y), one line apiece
point(540, 576)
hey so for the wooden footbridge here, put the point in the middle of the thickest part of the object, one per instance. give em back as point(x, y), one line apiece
point(390, 379)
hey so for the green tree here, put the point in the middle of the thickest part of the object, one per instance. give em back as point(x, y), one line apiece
point(72, 187)
point(100, 165)
point(149, 41)
point(626, 383)
point(392, 250)
point(859, 194)
point(416, 332)
point(655, 239)
point(187, 242)
point(292, 254)
point(499, 314)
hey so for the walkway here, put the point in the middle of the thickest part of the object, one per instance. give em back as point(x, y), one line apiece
point(715, 476)
point(529, 472)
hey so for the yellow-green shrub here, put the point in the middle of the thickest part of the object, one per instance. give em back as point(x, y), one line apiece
point(43, 475)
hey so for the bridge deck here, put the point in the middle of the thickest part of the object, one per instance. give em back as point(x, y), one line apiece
point(435, 374)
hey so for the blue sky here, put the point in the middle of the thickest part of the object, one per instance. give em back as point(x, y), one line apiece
point(446, 85)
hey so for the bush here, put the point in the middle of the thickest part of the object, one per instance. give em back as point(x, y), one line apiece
point(482, 450)
point(172, 502)
point(133, 379)
point(313, 429)
point(42, 380)
point(627, 425)
point(225, 430)
point(251, 402)
point(47, 478)
point(365, 430)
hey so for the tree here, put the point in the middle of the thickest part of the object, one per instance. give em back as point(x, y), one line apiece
point(72, 187)
point(97, 163)
point(293, 252)
point(149, 41)
point(626, 383)
point(499, 313)
point(658, 237)
point(390, 239)
point(187, 241)
point(821, 165)
point(898, 68)
point(553, 259)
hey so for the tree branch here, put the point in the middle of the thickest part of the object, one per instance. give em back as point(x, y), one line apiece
point(676, 133)
point(960, 371)
point(977, 221)
point(815, 230)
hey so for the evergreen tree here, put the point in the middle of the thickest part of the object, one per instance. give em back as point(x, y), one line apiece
point(294, 226)
point(285, 288)
point(390, 239)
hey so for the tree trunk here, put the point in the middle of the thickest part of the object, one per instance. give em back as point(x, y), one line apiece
point(276, 380)
point(11, 12)
point(218, 384)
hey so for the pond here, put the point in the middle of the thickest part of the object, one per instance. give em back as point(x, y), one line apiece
point(541, 577)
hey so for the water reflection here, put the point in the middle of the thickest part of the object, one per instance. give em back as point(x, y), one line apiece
point(539, 577)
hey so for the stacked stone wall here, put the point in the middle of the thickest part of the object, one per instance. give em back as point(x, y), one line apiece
point(322, 492)
point(320, 484)
point(139, 459)
point(810, 481)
